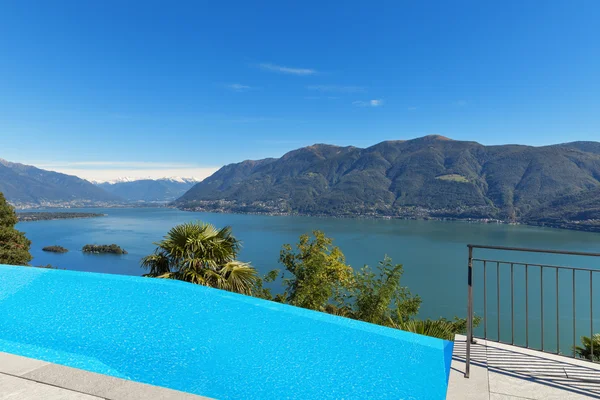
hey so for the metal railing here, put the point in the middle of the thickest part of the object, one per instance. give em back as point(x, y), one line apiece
point(527, 266)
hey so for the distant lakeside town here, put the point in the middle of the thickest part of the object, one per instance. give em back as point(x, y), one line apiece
point(415, 213)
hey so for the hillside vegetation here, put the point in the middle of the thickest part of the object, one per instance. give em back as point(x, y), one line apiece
point(55, 249)
point(429, 177)
point(103, 248)
point(577, 211)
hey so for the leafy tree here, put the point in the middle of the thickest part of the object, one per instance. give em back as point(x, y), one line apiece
point(319, 279)
point(585, 351)
point(376, 293)
point(202, 254)
point(318, 273)
point(14, 246)
point(263, 292)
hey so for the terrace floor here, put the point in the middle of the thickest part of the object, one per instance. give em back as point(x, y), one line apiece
point(503, 372)
point(25, 378)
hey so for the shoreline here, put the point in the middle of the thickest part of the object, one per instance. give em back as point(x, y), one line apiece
point(568, 225)
point(563, 225)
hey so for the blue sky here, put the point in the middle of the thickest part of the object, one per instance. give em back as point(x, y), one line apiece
point(109, 88)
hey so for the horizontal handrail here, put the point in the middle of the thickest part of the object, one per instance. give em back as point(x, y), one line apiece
point(536, 265)
point(526, 250)
point(555, 268)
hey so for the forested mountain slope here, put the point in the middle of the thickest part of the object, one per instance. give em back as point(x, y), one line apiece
point(430, 176)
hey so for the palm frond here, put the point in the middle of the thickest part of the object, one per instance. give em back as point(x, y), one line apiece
point(202, 254)
point(238, 277)
point(585, 351)
point(439, 329)
point(157, 263)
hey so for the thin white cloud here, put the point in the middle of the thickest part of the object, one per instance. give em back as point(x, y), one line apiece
point(237, 87)
point(112, 164)
point(337, 89)
point(102, 171)
point(370, 103)
point(287, 70)
point(108, 170)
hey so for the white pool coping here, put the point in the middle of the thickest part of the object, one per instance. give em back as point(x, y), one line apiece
point(26, 378)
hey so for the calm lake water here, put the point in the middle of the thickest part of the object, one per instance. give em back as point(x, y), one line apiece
point(434, 255)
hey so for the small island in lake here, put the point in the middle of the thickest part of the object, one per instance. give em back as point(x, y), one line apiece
point(47, 216)
point(103, 248)
point(55, 249)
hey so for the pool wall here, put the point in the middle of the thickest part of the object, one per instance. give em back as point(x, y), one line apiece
point(211, 342)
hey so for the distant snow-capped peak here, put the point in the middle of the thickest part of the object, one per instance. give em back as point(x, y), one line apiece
point(130, 179)
point(179, 179)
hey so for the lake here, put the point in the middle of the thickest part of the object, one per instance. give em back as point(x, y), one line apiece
point(434, 255)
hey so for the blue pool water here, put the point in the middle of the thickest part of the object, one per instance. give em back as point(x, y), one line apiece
point(210, 342)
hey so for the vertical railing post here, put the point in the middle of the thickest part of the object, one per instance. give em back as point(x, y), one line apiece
point(557, 317)
point(498, 296)
point(574, 320)
point(542, 303)
point(527, 305)
point(512, 304)
point(485, 300)
point(591, 316)
point(469, 313)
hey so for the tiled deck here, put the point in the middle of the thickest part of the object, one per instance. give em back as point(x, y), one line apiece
point(503, 372)
point(25, 378)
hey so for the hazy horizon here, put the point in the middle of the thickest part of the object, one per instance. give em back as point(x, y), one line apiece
point(115, 171)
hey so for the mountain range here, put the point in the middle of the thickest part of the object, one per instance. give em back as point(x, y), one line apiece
point(148, 190)
point(428, 177)
point(26, 186)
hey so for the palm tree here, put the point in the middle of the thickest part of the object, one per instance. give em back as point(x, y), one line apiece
point(202, 254)
point(586, 350)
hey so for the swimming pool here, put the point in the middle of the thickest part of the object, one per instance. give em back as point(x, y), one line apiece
point(210, 342)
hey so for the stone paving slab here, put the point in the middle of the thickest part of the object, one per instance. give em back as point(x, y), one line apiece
point(103, 385)
point(501, 371)
point(14, 388)
point(16, 365)
point(42, 380)
point(477, 386)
